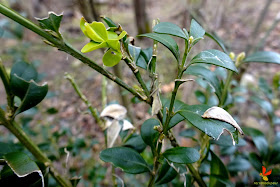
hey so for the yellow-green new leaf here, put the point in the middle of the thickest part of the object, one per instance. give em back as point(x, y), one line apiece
point(122, 35)
point(114, 44)
point(93, 46)
point(99, 29)
point(92, 34)
point(111, 58)
point(83, 27)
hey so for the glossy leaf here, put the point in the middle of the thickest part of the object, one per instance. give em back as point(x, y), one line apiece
point(208, 75)
point(177, 118)
point(217, 40)
point(33, 96)
point(275, 153)
point(169, 28)
point(111, 58)
point(258, 139)
point(134, 52)
point(166, 174)
point(196, 31)
point(125, 158)
point(145, 57)
point(165, 40)
point(109, 22)
point(215, 57)
point(22, 165)
point(149, 134)
point(52, 22)
point(213, 128)
point(136, 142)
point(182, 155)
point(264, 56)
point(217, 168)
point(6, 148)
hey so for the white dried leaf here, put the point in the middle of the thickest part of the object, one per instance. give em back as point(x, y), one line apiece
point(114, 111)
point(222, 115)
point(127, 125)
point(156, 106)
point(112, 133)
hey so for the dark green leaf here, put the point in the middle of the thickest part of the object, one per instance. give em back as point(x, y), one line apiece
point(165, 40)
point(134, 52)
point(6, 148)
point(166, 174)
point(169, 28)
point(256, 161)
point(33, 96)
point(275, 153)
point(196, 31)
point(144, 58)
point(264, 56)
point(52, 22)
point(188, 133)
point(258, 139)
point(239, 164)
point(211, 127)
point(109, 22)
point(125, 158)
point(182, 155)
point(215, 57)
point(177, 118)
point(265, 105)
point(200, 96)
point(148, 134)
point(225, 141)
point(208, 75)
point(217, 168)
point(136, 142)
point(217, 40)
point(22, 165)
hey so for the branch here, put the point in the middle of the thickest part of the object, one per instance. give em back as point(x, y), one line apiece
point(63, 46)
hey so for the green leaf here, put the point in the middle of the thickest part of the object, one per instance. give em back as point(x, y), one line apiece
point(6, 148)
point(149, 134)
point(165, 40)
point(22, 165)
point(114, 44)
point(238, 164)
point(196, 31)
point(275, 153)
point(144, 58)
point(264, 56)
point(265, 105)
point(134, 52)
point(200, 96)
point(177, 118)
point(166, 174)
point(208, 75)
point(93, 46)
point(217, 40)
point(258, 139)
point(125, 158)
point(109, 22)
point(33, 96)
point(170, 29)
point(182, 155)
point(111, 58)
point(215, 57)
point(213, 128)
point(52, 22)
point(136, 142)
point(218, 169)
point(256, 161)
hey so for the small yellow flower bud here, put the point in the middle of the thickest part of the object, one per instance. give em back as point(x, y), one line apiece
point(239, 59)
point(161, 137)
point(232, 55)
point(191, 40)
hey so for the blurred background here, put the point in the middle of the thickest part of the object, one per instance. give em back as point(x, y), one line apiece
point(61, 119)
